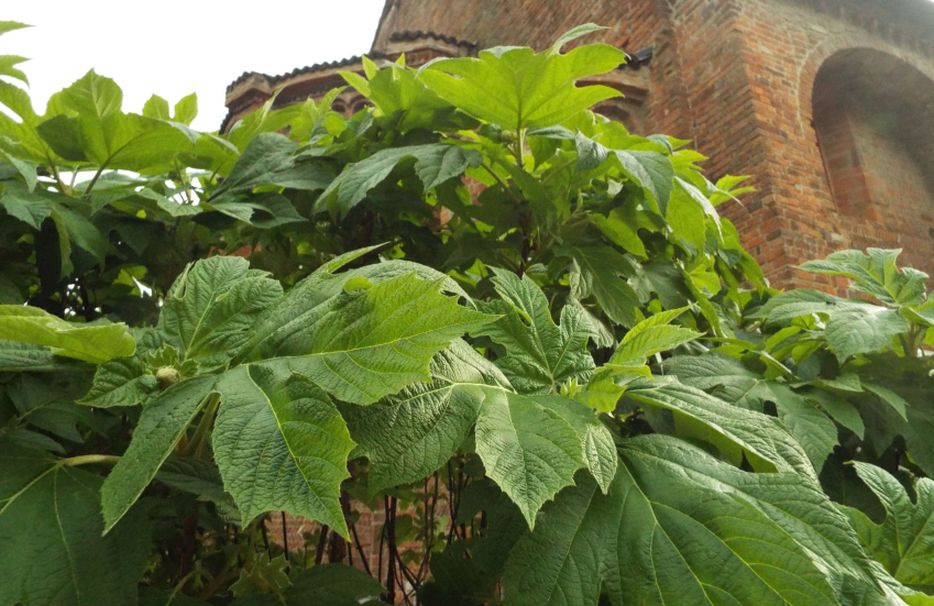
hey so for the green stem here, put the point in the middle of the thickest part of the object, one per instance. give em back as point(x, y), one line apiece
point(90, 459)
point(196, 446)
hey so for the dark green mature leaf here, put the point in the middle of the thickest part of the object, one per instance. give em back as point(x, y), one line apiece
point(721, 375)
point(202, 479)
point(813, 429)
point(333, 585)
point(30, 208)
point(598, 448)
point(737, 434)
point(538, 354)
point(160, 427)
point(211, 307)
point(602, 275)
point(88, 342)
point(408, 436)
point(904, 542)
point(370, 342)
point(434, 163)
point(281, 444)
point(678, 526)
point(518, 88)
point(50, 537)
point(272, 159)
point(121, 382)
point(529, 450)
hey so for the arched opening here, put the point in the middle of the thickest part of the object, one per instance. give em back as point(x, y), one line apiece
point(873, 115)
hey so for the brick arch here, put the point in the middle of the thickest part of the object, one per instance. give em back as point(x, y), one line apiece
point(833, 45)
point(871, 114)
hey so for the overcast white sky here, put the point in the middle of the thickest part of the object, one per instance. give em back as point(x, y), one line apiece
point(175, 47)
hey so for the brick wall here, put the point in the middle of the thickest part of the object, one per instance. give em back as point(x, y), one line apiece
point(738, 77)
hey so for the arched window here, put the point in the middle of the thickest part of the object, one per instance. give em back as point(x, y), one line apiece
point(873, 115)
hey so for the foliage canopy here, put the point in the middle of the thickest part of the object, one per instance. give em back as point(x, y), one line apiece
point(521, 332)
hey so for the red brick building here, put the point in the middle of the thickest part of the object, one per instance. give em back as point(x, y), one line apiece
point(828, 104)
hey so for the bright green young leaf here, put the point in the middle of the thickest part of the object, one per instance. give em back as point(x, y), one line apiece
point(366, 344)
point(94, 343)
point(394, 89)
point(281, 444)
point(433, 163)
point(538, 354)
point(212, 306)
point(408, 436)
point(85, 123)
point(874, 272)
point(518, 88)
point(904, 542)
point(50, 537)
point(529, 450)
point(653, 335)
point(160, 427)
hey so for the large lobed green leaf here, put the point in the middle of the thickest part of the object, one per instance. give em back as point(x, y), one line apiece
point(538, 354)
point(50, 537)
point(680, 527)
point(281, 444)
point(904, 541)
point(160, 427)
point(369, 342)
point(529, 450)
point(519, 88)
point(410, 435)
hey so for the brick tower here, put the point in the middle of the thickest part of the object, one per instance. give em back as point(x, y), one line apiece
point(828, 104)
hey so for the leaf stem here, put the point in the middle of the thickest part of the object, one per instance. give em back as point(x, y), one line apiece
point(89, 459)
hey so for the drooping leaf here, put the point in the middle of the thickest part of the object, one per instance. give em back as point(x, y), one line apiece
point(50, 537)
point(408, 436)
point(281, 444)
point(95, 343)
point(737, 434)
point(530, 451)
point(603, 272)
point(538, 354)
point(434, 163)
point(904, 541)
point(160, 427)
point(202, 479)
